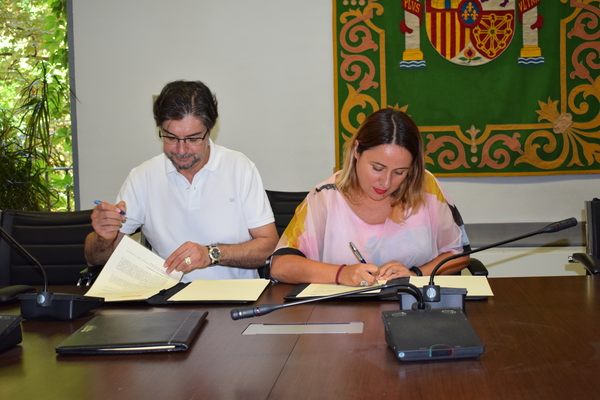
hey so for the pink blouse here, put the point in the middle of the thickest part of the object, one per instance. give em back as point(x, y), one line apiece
point(324, 225)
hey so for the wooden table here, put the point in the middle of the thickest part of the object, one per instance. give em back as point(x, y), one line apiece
point(541, 336)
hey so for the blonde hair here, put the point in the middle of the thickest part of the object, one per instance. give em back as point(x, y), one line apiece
point(386, 126)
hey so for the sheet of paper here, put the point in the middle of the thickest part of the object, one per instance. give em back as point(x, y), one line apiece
point(132, 273)
point(222, 290)
point(475, 285)
point(327, 289)
point(300, 329)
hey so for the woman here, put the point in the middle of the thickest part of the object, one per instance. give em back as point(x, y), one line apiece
point(385, 202)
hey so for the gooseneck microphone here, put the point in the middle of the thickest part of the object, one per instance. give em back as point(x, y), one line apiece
point(432, 291)
point(48, 305)
point(263, 309)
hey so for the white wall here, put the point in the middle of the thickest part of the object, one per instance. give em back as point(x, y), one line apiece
point(268, 61)
point(270, 64)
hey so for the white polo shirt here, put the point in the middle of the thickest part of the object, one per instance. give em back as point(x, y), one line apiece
point(224, 201)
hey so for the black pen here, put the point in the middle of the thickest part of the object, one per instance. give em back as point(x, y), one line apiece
point(98, 202)
point(357, 253)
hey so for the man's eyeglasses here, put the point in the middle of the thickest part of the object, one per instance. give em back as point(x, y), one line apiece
point(191, 140)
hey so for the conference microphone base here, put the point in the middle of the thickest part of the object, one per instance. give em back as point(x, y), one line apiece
point(431, 334)
point(450, 298)
point(64, 307)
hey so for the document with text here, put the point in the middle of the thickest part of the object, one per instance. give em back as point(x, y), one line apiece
point(132, 273)
point(135, 273)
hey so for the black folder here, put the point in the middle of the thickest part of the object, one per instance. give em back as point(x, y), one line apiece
point(10, 330)
point(163, 297)
point(137, 332)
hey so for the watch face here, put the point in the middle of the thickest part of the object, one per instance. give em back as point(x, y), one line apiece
point(215, 254)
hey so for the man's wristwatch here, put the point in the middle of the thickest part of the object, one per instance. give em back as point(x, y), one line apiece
point(416, 270)
point(215, 254)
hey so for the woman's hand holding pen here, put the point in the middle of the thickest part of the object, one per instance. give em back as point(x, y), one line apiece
point(392, 270)
point(107, 219)
point(364, 274)
point(353, 275)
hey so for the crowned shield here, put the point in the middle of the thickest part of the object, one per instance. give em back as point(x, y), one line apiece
point(470, 32)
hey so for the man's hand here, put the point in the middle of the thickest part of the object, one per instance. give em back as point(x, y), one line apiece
point(187, 257)
point(108, 219)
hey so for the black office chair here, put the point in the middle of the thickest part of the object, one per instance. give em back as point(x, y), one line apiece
point(55, 239)
point(591, 258)
point(284, 205)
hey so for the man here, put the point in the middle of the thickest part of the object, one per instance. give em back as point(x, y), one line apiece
point(201, 206)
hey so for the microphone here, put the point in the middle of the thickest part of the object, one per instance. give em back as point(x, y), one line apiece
point(260, 310)
point(47, 305)
point(432, 292)
point(559, 226)
point(256, 311)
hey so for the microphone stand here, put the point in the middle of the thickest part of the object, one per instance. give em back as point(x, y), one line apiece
point(263, 309)
point(432, 291)
point(48, 305)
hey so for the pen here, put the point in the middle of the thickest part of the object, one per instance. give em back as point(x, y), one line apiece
point(357, 253)
point(98, 202)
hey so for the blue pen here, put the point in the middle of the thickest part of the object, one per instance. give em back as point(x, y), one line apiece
point(98, 202)
point(357, 253)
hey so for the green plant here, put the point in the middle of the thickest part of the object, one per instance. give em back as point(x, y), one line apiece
point(21, 177)
point(35, 141)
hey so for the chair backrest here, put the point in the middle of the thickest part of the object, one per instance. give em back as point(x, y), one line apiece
point(55, 239)
point(284, 205)
point(592, 216)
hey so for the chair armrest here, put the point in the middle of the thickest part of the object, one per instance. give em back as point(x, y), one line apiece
point(477, 268)
point(591, 263)
point(87, 276)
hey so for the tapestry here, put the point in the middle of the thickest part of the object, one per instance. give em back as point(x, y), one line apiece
point(497, 87)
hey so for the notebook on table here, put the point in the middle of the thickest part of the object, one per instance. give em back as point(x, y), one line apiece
point(135, 332)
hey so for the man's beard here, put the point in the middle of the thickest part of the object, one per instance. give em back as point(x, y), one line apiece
point(193, 160)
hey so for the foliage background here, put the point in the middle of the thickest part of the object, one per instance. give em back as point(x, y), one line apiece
point(35, 125)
